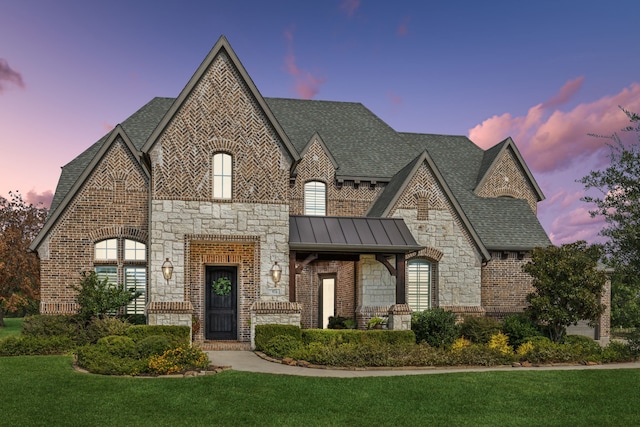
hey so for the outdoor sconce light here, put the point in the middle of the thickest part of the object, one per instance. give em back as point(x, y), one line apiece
point(276, 272)
point(167, 270)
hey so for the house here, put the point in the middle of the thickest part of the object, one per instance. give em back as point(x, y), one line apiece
point(310, 209)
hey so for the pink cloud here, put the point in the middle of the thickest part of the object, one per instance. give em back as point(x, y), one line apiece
point(576, 224)
point(39, 199)
point(350, 7)
point(8, 74)
point(306, 84)
point(108, 127)
point(556, 140)
point(565, 94)
point(395, 99)
point(403, 28)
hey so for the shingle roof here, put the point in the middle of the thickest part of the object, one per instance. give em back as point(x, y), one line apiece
point(363, 146)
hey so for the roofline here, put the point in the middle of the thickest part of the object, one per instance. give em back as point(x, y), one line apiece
point(424, 156)
point(316, 137)
point(221, 44)
point(342, 178)
point(510, 143)
point(363, 249)
point(118, 131)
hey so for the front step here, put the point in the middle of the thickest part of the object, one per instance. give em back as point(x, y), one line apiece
point(225, 345)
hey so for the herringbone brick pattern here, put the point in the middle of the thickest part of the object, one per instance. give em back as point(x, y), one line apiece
point(422, 191)
point(220, 115)
point(508, 179)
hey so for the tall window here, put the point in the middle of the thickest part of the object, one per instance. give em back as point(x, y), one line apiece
point(419, 284)
point(123, 261)
point(222, 176)
point(315, 198)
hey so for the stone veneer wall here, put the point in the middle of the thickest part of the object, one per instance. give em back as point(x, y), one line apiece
point(504, 284)
point(113, 202)
point(375, 289)
point(176, 225)
point(459, 269)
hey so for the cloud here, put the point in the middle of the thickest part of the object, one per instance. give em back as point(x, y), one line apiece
point(306, 84)
point(350, 7)
point(574, 225)
point(8, 74)
point(553, 140)
point(403, 28)
point(43, 199)
point(395, 99)
point(108, 127)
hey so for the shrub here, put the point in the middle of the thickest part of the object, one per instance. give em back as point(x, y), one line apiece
point(634, 342)
point(134, 319)
point(98, 361)
point(524, 349)
point(264, 333)
point(153, 345)
point(550, 352)
point(336, 337)
point(99, 328)
point(177, 335)
point(582, 344)
point(35, 345)
point(500, 342)
point(436, 327)
point(281, 346)
point(52, 325)
point(99, 298)
point(480, 355)
point(617, 351)
point(336, 322)
point(460, 343)
point(479, 329)
point(177, 360)
point(518, 328)
point(118, 346)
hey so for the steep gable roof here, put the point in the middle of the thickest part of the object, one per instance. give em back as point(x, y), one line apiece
point(221, 45)
point(97, 152)
point(493, 155)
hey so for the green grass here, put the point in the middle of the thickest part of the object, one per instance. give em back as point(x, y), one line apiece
point(45, 391)
point(12, 326)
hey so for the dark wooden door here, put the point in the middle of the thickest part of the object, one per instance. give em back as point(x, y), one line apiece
point(221, 311)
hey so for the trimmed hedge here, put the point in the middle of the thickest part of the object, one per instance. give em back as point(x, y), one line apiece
point(31, 345)
point(356, 336)
point(177, 335)
point(264, 333)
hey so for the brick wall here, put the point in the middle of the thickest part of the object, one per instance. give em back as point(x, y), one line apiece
point(504, 284)
point(508, 179)
point(113, 202)
point(243, 255)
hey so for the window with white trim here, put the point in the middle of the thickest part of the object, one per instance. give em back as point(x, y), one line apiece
point(222, 176)
point(315, 198)
point(123, 261)
point(419, 284)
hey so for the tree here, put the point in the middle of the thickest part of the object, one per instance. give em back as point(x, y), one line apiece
point(619, 205)
point(99, 298)
point(19, 269)
point(568, 286)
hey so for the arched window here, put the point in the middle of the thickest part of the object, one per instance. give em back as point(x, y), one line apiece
point(315, 198)
point(123, 261)
point(419, 280)
point(222, 176)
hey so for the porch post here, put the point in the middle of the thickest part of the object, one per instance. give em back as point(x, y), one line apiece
point(292, 276)
point(400, 280)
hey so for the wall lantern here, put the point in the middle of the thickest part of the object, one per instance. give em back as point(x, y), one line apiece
point(167, 270)
point(276, 272)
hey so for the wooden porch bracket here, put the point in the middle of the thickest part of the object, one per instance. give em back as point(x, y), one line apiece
point(310, 258)
point(383, 260)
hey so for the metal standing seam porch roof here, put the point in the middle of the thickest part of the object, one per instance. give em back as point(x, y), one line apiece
point(350, 235)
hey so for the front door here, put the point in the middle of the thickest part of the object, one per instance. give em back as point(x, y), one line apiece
point(221, 310)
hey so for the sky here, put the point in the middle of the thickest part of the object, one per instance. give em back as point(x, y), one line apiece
point(546, 73)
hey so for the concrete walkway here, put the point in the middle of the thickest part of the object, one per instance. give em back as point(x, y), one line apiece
point(250, 362)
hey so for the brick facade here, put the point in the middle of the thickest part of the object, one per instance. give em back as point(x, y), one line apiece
point(112, 203)
point(504, 284)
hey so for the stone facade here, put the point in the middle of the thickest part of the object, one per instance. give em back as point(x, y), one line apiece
point(161, 193)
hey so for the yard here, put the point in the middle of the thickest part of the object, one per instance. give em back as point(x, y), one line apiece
point(44, 390)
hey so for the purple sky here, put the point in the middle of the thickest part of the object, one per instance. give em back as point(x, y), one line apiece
point(546, 73)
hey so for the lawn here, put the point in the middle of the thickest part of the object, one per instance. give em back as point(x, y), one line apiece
point(44, 390)
point(12, 326)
